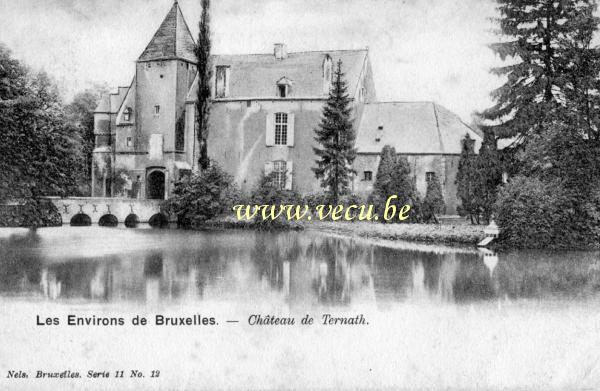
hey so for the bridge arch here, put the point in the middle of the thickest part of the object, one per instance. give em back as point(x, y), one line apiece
point(108, 220)
point(80, 220)
point(158, 220)
point(132, 221)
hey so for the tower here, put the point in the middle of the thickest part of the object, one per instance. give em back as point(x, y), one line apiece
point(164, 74)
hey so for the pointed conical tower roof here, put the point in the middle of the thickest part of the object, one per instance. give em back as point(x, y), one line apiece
point(172, 40)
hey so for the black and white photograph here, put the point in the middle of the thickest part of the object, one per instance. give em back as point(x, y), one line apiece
point(299, 195)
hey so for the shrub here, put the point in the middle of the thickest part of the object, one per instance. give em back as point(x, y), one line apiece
point(433, 204)
point(533, 213)
point(555, 201)
point(312, 200)
point(393, 178)
point(202, 196)
point(30, 213)
point(267, 192)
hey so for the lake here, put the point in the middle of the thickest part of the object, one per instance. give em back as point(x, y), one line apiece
point(434, 316)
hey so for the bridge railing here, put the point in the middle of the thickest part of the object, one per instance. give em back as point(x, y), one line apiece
point(108, 211)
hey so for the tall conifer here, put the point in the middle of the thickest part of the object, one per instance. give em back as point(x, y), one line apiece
point(335, 135)
point(540, 38)
point(488, 168)
point(204, 74)
point(467, 180)
point(393, 179)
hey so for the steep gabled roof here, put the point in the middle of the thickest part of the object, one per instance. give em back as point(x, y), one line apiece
point(256, 75)
point(412, 128)
point(172, 40)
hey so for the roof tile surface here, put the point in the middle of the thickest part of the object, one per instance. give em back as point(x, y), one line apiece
point(412, 127)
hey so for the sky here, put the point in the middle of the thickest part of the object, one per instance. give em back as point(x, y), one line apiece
point(432, 50)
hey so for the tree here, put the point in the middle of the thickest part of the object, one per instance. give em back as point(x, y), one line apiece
point(488, 173)
point(336, 136)
point(550, 104)
point(555, 201)
point(583, 96)
point(393, 178)
point(467, 180)
point(203, 100)
point(433, 203)
point(542, 41)
point(40, 153)
point(80, 115)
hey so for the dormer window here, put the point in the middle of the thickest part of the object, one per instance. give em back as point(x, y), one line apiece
point(283, 87)
point(127, 114)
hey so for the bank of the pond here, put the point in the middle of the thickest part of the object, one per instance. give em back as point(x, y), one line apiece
point(448, 233)
point(454, 232)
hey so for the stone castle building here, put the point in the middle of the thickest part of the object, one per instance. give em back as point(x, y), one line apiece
point(264, 110)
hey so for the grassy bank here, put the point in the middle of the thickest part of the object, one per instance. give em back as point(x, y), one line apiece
point(449, 233)
point(455, 232)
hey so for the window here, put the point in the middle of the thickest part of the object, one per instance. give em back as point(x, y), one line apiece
point(179, 134)
point(129, 142)
point(327, 73)
point(281, 128)
point(279, 173)
point(221, 81)
point(157, 110)
point(368, 176)
point(429, 176)
point(282, 88)
point(127, 114)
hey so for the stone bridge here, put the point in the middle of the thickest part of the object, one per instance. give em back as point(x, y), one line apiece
point(82, 211)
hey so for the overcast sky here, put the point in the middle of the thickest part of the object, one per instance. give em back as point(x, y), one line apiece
point(420, 49)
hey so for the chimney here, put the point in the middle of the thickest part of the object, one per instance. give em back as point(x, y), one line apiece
point(280, 51)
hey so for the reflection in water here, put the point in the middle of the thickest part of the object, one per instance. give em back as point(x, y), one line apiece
point(300, 268)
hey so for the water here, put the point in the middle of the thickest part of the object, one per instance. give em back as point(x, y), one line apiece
point(437, 316)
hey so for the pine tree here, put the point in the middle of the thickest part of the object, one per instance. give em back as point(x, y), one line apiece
point(543, 35)
point(336, 137)
point(203, 101)
point(467, 180)
point(583, 98)
point(433, 203)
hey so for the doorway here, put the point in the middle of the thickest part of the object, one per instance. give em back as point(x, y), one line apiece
point(156, 185)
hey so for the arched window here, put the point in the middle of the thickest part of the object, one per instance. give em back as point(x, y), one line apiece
point(327, 73)
point(281, 128)
point(127, 114)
